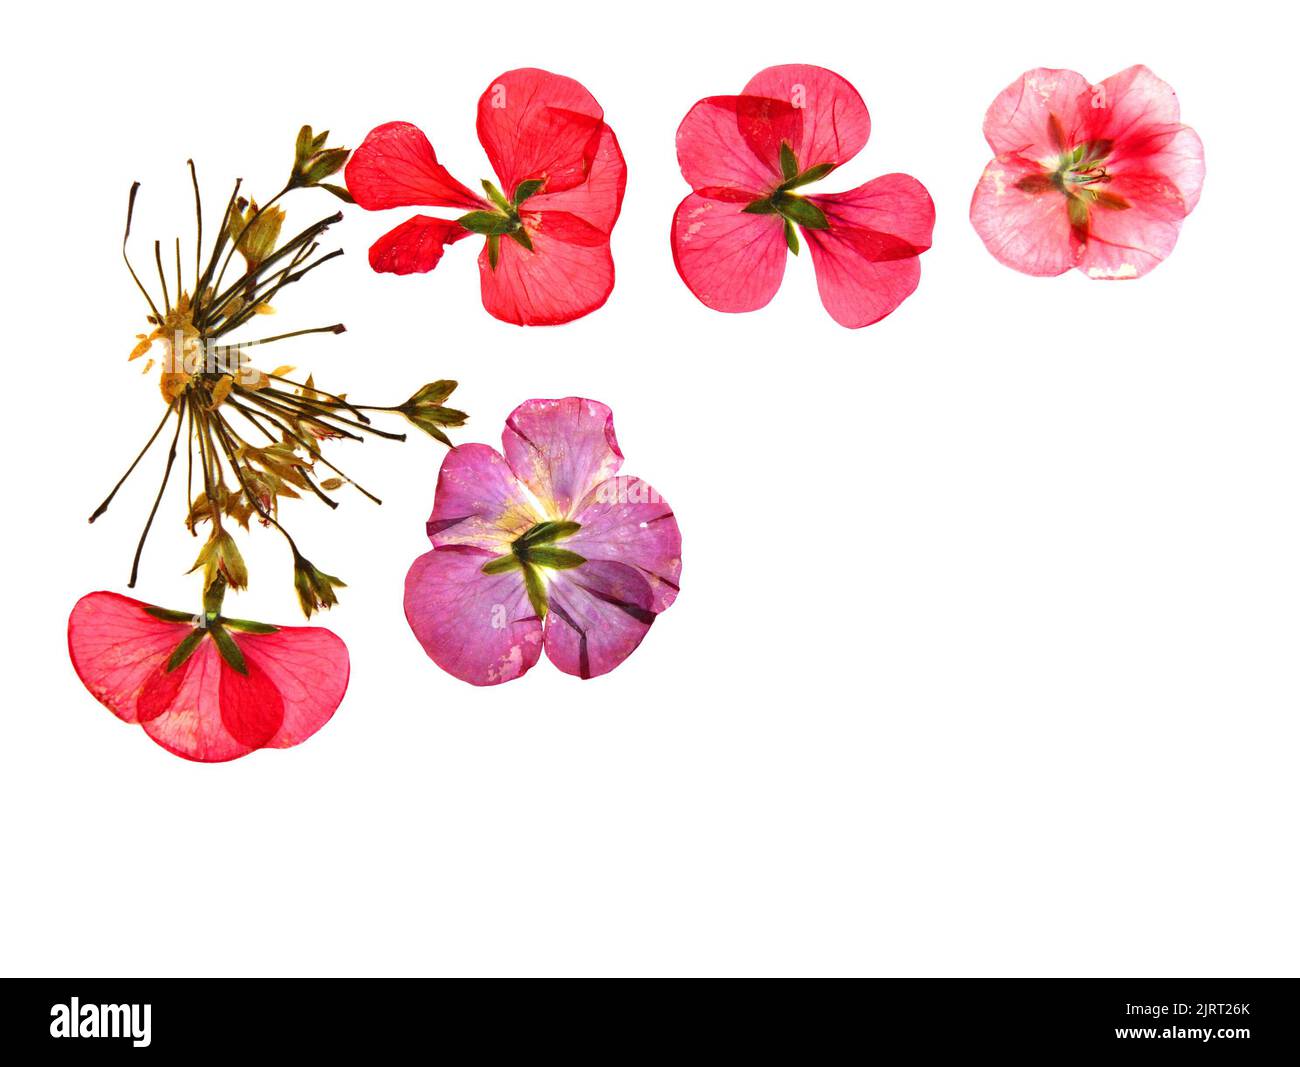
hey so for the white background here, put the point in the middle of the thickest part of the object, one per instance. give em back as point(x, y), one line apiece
point(985, 657)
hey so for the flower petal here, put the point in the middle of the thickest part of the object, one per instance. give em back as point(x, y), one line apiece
point(835, 124)
point(866, 262)
point(415, 246)
point(251, 708)
point(728, 147)
point(625, 520)
point(1019, 121)
point(395, 166)
point(117, 648)
point(1128, 243)
point(478, 627)
point(308, 666)
point(730, 260)
point(599, 613)
point(478, 502)
point(561, 450)
point(1141, 117)
point(598, 200)
point(568, 273)
point(1027, 230)
point(535, 124)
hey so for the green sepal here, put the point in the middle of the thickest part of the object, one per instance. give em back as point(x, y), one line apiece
point(1110, 201)
point(812, 174)
point(421, 420)
point(496, 196)
point(789, 163)
point(560, 559)
point(502, 564)
point(526, 189)
point(494, 250)
point(229, 650)
point(1078, 218)
point(488, 223)
point(168, 615)
point(520, 237)
point(546, 532)
point(536, 591)
point(185, 649)
point(760, 207)
point(324, 164)
point(433, 393)
point(338, 191)
point(791, 238)
point(804, 212)
point(248, 626)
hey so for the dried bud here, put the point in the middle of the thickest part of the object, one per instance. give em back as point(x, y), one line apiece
point(255, 232)
point(425, 410)
point(220, 559)
point(313, 163)
point(315, 588)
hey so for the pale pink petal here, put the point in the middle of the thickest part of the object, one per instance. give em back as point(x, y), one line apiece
point(866, 262)
point(478, 502)
point(728, 147)
point(1128, 243)
point(415, 246)
point(561, 450)
point(478, 627)
point(599, 613)
point(1028, 230)
point(535, 124)
point(731, 260)
point(596, 201)
point(836, 124)
point(625, 520)
point(1019, 121)
point(568, 272)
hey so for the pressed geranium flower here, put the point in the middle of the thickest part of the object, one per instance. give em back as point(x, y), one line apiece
point(544, 546)
point(547, 218)
point(749, 158)
point(206, 687)
point(1098, 177)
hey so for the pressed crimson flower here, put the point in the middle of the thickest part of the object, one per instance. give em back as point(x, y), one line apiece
point(546, 546)
point(547, 218)
point(749, 157)
point(1098, 177)
point(206, 687)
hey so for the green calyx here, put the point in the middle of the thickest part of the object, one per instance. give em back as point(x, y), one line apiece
point(794, 210)
point(505, 221)
point(534, 551)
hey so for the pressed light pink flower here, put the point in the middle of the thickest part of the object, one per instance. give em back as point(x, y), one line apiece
point(544, 546)
point(209, 689)
point(748, 159)
point(1098, 177)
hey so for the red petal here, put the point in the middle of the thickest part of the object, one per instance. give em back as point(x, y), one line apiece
point(1019, 122)
point(534, 124)
point(1028, 231)
point(395, 166)
point(1128, 243)
point(251, 708)
point(867, 261)
point(835, 120)
point(598, 200)
point(730, 260)
point(309, 668)
point(415, 246)
point(568, 273)
point(728, 147)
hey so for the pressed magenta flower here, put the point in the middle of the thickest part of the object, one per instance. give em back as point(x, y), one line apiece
point(206, 687)
point(749, 160)
point(1096, 177)
point(545, 259)
point(544, 546)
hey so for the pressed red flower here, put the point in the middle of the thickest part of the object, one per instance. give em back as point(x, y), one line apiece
point(548, 218)
point(749, 157)
point(1096, 177)
point(207, 688)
